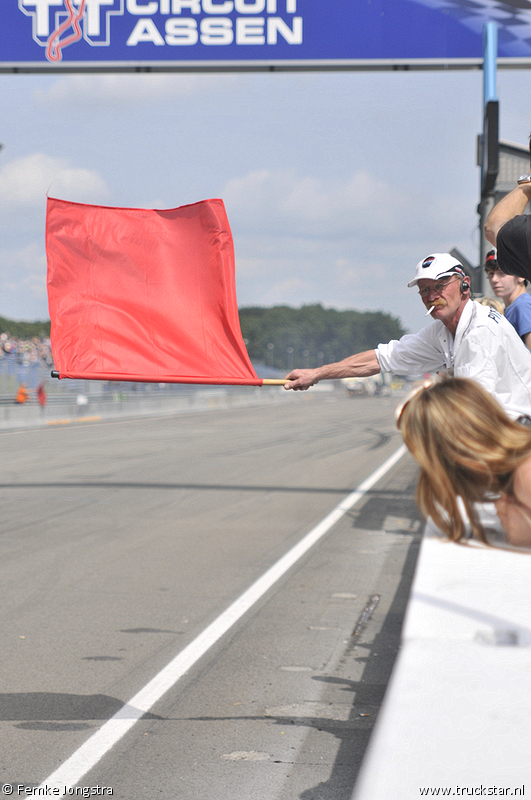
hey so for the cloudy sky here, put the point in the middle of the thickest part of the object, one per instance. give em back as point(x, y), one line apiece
point(335, 184)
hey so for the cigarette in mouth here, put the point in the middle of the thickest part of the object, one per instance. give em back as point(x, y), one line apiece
point(429, 311)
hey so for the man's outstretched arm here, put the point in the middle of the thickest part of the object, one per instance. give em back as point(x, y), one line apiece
point(360, 365)
point(509, 206)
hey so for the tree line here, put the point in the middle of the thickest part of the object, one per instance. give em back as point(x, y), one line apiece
point(283, 337)
point(25, 330)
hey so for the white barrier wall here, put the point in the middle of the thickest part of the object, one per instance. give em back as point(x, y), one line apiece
point(120, 405)
point(456, 719)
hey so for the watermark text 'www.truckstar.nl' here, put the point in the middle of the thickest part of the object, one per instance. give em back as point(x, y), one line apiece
point(473, 791)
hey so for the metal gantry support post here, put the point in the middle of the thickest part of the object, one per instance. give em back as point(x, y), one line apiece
point(489, 141)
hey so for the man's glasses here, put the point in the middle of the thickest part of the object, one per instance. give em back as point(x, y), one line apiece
point(438, 288)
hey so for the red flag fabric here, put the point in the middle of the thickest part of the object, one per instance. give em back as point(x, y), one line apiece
point(144, 295)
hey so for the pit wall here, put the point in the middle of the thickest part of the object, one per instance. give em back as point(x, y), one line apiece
point(457, 713)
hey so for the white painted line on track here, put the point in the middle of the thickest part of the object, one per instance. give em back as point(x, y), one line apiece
point(92, 751)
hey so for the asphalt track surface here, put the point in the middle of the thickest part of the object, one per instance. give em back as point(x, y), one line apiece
point(123, 542)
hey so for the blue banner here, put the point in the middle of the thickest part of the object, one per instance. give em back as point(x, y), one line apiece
point(92, 34)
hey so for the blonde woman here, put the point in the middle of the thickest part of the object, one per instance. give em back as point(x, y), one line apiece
point(469, 452)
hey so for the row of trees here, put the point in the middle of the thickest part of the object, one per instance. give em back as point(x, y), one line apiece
point(283, 337)
point(25, 330)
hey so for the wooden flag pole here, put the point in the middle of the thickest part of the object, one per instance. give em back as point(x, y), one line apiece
point(266, 382)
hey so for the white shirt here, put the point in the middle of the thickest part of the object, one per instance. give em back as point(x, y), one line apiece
point(486, 348)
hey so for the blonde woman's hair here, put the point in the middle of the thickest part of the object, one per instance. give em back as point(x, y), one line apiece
point(466, 446)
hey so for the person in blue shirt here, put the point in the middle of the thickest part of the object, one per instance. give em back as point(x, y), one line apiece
point(512, 290)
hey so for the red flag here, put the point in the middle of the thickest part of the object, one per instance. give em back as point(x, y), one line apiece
point(144, 295)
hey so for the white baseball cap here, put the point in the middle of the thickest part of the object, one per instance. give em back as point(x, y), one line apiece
point(435, 266)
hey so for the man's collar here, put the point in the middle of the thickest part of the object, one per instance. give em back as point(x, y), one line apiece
point(465, 318)
point(466, 313)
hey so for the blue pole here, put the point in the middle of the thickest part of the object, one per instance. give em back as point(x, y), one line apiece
point(490, 54)
point(489, 155)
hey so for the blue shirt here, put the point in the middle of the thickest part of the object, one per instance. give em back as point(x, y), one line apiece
point(519, 314)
